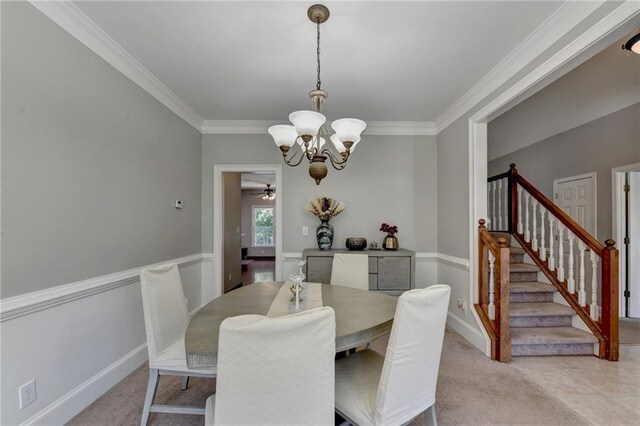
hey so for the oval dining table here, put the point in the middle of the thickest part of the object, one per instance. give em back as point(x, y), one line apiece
point(361, 316)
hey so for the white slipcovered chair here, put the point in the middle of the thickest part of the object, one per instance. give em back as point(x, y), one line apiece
point(275, 371)
point(393, 390)
point(350, 270)
point(166, 318)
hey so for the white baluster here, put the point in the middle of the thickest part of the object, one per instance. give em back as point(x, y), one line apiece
point(519, 228)
point(534, 226)
point(560, 251)
point(543, 250)
point(582, 293)
point(593, 309)
point(527, 232)
point(500, 228)
point(494, 219)
point(571, 282)
point(552, 240)
point(492, 306)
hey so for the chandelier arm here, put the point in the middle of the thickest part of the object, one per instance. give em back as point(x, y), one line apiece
point(337, 164)
point(289, 162)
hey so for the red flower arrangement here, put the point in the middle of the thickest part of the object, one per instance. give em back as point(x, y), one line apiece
point(389, 229)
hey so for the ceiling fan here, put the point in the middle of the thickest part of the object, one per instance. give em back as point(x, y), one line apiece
point(268, 193)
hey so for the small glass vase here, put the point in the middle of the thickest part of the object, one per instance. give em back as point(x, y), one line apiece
point(390, 242)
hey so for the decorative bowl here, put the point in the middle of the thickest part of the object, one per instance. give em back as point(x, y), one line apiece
point(356, 243)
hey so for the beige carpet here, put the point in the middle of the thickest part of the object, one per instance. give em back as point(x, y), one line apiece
point(472, 390)
point(629, 331)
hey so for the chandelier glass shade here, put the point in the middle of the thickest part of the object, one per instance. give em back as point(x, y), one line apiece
point(307, 136)
point(633, 44)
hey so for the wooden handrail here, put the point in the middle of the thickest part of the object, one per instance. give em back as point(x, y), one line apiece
point(578, 230)
point(497, 327)
point(605, 328)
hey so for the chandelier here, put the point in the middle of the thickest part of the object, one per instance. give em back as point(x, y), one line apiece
point(309, 133)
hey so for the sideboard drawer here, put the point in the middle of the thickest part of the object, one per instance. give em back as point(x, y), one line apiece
point(319, 269)
point(394, 273)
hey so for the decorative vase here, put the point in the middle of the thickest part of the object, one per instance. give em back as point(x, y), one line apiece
point(324, 234)
point(390, 242)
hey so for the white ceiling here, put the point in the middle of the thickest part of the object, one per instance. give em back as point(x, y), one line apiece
point(381, 61)
point(257, 180)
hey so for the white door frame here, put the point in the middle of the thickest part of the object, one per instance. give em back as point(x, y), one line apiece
point(603, 30)
point(594, 194)
point(218, 169)
point(617, 226)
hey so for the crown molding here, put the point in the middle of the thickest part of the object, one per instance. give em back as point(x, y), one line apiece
point(563, 20)
point(75, 22)
point(251, 127)
point(619, 16)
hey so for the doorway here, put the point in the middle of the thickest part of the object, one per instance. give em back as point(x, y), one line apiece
point(227, 234)
point(626, 228)
point(258, 209)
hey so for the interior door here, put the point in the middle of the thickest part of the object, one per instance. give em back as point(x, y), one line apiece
point(634, 244)
point(231, 217)
point(576, 197)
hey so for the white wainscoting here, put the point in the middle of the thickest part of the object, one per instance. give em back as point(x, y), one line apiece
point(78, 340)
point(454, 272)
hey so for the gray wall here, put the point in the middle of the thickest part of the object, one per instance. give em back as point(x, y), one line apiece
point(389, 179)
point(248, 201)
point(598, 146)
point(608, 82)
point(91, 163)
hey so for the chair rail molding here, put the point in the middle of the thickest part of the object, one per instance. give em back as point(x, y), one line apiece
point(24, 304)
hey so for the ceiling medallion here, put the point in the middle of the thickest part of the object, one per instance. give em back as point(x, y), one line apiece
point(308, 135)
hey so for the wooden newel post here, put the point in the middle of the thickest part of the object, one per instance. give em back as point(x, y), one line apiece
point(502, 297)
point(513, 198)
point(483, 288)
point(610, 299)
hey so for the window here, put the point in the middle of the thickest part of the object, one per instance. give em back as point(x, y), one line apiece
point(262, 226)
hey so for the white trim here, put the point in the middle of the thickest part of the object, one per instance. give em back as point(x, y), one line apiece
point(463, 328)
point(617, 207)
point(478, 127)
point(291, 256)
point(249, 127)
point(218, 169)
point(594, 190)
point(456, 262)
point(75, 22)
point(564, 19)
point(65, 407)
point(23, 304)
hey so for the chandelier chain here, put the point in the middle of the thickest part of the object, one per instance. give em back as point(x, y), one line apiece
point(318, 82)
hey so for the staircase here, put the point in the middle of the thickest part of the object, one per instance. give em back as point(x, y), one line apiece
point(539, 326)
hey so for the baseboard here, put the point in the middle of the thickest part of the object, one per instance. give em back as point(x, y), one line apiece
point(72, 403)
point(465, 329)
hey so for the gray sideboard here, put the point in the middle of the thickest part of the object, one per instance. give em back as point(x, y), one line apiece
point(391, 272)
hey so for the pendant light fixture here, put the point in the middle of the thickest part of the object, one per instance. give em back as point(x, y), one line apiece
point(309, 134)
point(633, 44)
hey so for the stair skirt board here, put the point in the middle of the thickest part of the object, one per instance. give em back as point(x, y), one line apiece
point(538, 325)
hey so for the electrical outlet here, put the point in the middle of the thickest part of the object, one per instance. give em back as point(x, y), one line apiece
point(27, 393)
point(462, 306)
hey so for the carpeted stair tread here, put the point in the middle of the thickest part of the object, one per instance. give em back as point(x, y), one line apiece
point(516, 250)
point(545, 309)
point(550, 336)
point(531, 287)
point(523, 267)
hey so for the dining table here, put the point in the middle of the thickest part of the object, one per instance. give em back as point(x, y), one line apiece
point(361, 316)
